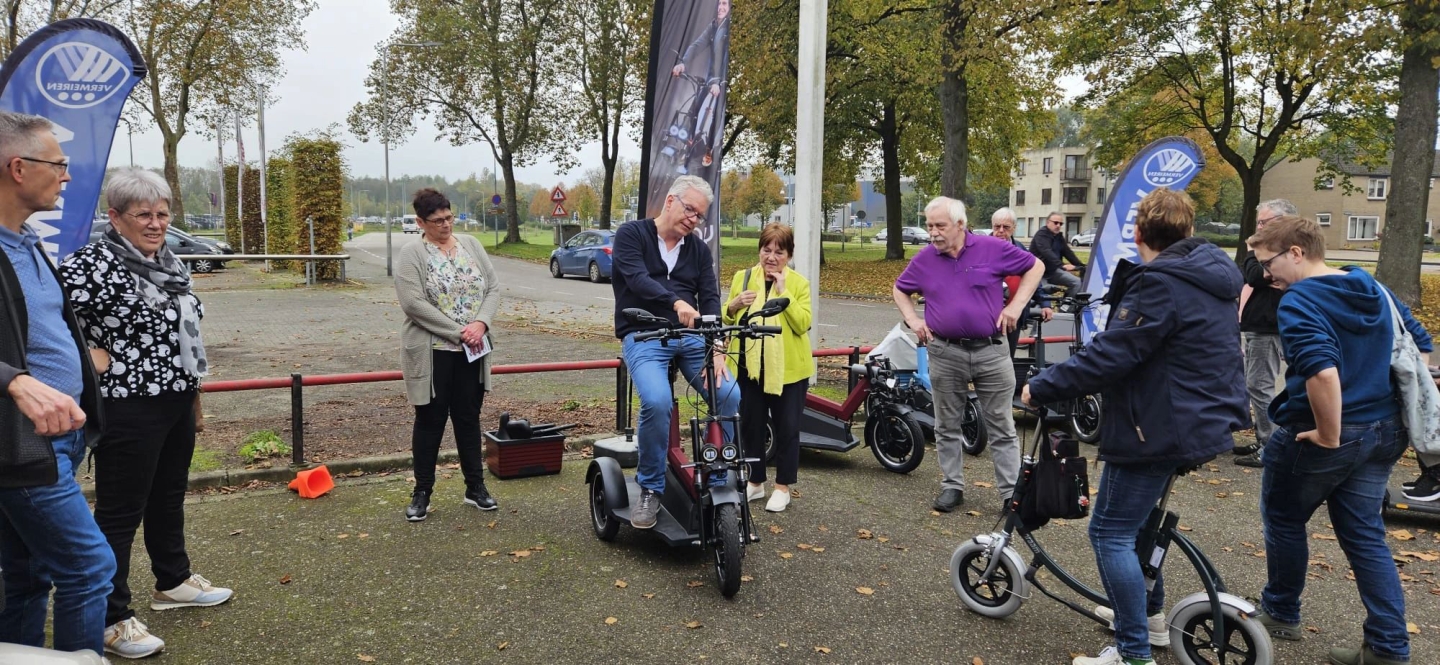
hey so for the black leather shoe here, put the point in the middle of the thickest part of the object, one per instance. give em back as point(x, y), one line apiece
point(419, 507)
point(949, 500)
point(1245, 450)
point(480, 497)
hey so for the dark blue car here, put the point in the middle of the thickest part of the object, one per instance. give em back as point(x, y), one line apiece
point(586, 253)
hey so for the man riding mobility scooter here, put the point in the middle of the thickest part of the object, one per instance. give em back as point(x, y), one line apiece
point(703, 503)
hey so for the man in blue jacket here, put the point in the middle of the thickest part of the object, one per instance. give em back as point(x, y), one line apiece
point(1050, 247)
point(1168, 365)
point(1338, 435)
point(659, 267)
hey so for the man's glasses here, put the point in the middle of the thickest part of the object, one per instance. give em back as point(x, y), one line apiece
point(1266, 263)
point(692, 213)
point(63, 166)
point(148, 217)
point(448, 219)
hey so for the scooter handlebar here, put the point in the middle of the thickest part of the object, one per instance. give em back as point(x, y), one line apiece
point(765, 330)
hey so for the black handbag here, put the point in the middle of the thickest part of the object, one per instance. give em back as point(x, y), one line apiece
point(1060, 484)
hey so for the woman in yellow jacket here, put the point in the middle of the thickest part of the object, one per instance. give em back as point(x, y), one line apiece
point(774, 373)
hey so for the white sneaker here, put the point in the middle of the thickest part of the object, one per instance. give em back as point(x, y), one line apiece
point(754, 492)
point(778, 500)
point(194, 592)
point(1107, 657)
point(130, 639)
point(1159, 630)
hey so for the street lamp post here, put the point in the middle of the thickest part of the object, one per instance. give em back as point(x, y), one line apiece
point(385, 137)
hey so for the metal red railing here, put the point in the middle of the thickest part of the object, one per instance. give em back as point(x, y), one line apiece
point(297, 383)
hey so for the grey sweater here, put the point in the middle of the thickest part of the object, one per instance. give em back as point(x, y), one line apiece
point(424, 321)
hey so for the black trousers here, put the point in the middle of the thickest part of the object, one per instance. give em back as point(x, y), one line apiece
point(142, 468)
point(782, 413)
point(458, 398)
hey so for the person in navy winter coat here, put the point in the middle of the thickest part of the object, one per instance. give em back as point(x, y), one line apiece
point(1169, 369)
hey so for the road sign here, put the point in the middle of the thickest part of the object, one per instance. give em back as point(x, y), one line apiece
point(559, 210)
point(464, 216)
point(557, 195)
point(495, 200)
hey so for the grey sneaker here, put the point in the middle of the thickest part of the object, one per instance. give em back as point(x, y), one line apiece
point(643, 517)
point(1279, 629)
point(1362, 656)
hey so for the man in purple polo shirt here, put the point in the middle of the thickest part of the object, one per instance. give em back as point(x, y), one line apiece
point(961, 276)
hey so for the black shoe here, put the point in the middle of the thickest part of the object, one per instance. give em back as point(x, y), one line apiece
point(949, 500)
point(419, 507)
point(1426, 488)
point(1246, 450)
point(1252, 461)
point(644, 515)
point(479, 497)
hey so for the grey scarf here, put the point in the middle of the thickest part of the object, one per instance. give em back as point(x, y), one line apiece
point(164, 282)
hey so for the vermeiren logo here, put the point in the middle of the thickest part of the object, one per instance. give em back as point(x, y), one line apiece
point(77, 75)
point(1167, 167)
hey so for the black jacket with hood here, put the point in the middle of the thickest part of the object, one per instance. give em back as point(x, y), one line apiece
point(1168, 364)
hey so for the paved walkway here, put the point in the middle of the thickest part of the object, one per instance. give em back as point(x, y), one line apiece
point(345, 579)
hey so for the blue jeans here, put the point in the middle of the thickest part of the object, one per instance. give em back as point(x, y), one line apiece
point(1128, 492)
point(48, 538)
point(649, 364)
point(1350, 481)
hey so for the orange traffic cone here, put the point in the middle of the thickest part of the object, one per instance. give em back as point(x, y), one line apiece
point(312, 483)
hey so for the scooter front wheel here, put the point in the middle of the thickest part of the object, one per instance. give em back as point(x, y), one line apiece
point(1192, 629)
point(895, 439)
point(727, 549)
point(998, 597)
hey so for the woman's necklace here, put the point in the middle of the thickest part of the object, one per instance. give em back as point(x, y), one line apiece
point(448, 249)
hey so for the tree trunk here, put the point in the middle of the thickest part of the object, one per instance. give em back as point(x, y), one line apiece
point(890, 158)
point(607, 192)
point(954, 105)
point(172, 178)
point(1250, 197)
point(1415, 127)
point(512, 216)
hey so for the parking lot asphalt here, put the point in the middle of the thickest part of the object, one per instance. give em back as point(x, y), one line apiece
point(345, 578)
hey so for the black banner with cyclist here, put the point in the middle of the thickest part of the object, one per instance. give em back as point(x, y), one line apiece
point(685, 103)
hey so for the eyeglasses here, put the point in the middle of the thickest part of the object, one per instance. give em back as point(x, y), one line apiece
point(1056, 221)
point(448, 219)
point(692, 213)
point(1266, 263)
point(147, 217)
point(64, 166)
point(1262, 221)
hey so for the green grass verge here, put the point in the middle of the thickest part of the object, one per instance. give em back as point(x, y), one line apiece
point(204, 460)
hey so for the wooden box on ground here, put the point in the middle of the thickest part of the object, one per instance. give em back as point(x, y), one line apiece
point(520, 458)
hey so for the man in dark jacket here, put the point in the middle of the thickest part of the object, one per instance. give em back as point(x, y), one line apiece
point(659, 267)
point(48, 411)
point(1168, 366)
point(1050, 247)
point(1263, 360)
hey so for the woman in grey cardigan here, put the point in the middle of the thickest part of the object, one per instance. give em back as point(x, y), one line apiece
point(447, 288)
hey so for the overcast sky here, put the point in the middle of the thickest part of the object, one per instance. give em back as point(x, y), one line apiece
point(320, 87)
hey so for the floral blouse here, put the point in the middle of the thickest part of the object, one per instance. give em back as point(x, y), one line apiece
point(455, 286)
point(143, 341)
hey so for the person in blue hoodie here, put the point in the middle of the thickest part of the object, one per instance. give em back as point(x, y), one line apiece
point(1338, 435)
point(1169, 368)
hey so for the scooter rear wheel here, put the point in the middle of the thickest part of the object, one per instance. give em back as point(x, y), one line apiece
point(895, 439)
point(605, 524)
point(1086, 419)
point(1191, 628)
point(972, 429)
point(727, 549)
